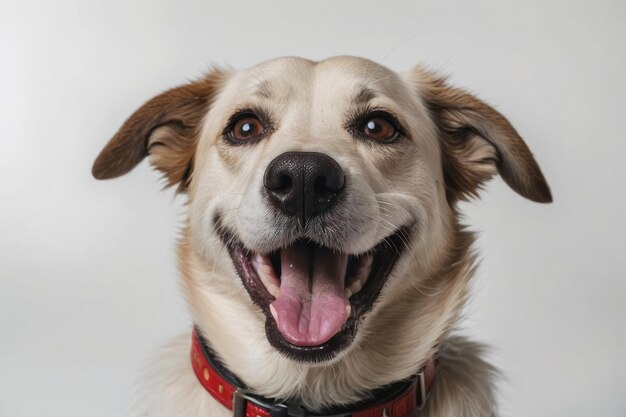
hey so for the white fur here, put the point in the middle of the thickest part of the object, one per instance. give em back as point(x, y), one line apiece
point(465, 384)
point(388, 187)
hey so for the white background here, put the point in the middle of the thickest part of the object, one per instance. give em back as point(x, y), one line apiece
point(88, 286)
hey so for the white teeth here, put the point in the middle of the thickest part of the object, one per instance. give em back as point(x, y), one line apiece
point(265, 270)
point(348, 310)
point(359, 278)
point(274, 314)
point(355, 287)
point(273, 290)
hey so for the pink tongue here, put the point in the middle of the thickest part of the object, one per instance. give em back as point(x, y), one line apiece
point(311, 306)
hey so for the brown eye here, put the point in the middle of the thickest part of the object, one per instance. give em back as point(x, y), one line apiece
point(379, 128)
point(246, 128)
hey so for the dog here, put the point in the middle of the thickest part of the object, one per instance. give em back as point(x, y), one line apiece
point(322, 258)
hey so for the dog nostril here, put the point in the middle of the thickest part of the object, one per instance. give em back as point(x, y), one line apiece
point(278, 182)
point(283, 183)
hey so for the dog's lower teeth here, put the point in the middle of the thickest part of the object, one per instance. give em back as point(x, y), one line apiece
point(356, 282)
point(274, 314)
point(355, 287)
point(265, 270)
point(273, 290)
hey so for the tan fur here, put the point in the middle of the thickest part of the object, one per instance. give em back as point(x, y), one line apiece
point(166, 128)
point(477, 140)
point(455, 143)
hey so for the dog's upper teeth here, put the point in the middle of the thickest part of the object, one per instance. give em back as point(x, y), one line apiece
point(359, 278)
point(264, 268)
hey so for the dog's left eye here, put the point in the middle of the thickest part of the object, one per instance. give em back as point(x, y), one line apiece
point(380, 127)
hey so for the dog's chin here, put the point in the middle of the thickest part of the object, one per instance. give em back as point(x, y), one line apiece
point(313, 297)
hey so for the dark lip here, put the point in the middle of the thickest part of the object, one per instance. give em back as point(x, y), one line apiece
point(385, 255)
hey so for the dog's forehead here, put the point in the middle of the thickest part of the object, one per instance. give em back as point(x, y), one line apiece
point(279, 78)
point(341, 78)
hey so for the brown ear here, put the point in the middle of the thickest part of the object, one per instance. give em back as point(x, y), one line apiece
point(166, 128)
point(479, 142)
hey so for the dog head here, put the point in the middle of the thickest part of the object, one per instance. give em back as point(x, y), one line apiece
point(322, 200)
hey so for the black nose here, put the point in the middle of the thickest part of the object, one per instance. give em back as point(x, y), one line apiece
point(303, 184)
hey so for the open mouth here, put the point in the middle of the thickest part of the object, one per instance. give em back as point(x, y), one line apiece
point(312, 296)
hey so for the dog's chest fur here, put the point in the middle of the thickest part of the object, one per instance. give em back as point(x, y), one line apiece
point(464, 387)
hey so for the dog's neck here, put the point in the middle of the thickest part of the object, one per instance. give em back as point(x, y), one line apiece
point(400, 399)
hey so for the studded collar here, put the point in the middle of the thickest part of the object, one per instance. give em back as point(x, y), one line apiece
point(400, 399)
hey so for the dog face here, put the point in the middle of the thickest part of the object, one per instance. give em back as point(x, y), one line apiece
point(331, 186)
point(324, 173)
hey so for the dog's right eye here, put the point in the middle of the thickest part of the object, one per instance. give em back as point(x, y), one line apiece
point(245, 127)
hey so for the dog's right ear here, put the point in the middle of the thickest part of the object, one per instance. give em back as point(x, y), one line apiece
point(166, 129)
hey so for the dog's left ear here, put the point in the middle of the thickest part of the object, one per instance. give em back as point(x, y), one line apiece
point(166, 129)
point(478, 142)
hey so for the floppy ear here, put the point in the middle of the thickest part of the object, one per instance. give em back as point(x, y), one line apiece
point(166, 129)
point(478, 142)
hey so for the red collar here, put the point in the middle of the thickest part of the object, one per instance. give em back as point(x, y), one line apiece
point(399, 400)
